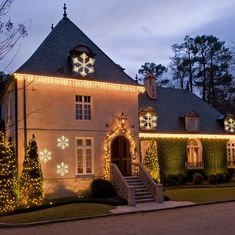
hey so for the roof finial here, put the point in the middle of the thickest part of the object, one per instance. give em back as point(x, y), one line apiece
point(65, 8)
point(52, 26)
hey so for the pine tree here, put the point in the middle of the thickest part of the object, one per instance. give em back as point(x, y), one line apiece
point(151, 161)
point(8, 176)
point(31, 181)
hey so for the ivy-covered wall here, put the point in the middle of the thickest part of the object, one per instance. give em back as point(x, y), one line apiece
point(172, 155)
point(214, 156)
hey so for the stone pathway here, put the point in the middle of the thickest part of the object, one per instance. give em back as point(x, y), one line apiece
point(151, 206)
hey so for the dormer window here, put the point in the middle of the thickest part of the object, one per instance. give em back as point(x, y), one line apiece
point(82, 61)
point(191, 121)
point(229, 124)
point(148, 119)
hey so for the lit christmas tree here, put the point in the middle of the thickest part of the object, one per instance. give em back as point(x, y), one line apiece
point(31, 180)
point(151, 161)
point(8, 176)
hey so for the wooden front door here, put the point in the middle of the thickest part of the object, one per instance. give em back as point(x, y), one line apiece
point(120, 154)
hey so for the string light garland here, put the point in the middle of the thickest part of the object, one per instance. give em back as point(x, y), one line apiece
point(8, 176)
point(79, 83)
point(187, 136)
point(118, 130)
point(151, 161)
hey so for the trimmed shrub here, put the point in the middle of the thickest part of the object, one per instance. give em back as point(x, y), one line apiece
point(172, 179)
point(182, 179)
point(226, 177)
point(197, 178)
point(102, 188)
point(212, 179)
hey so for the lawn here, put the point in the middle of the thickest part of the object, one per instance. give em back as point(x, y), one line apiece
point(60, 212)
point(201, 195)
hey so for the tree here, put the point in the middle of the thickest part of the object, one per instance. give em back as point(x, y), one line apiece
point(151, 161)
point(8, 176)
point(9, 34)
point(213, 61)
point(156, 70)
point(31, 180)
point(183, 62)
point(203, 62)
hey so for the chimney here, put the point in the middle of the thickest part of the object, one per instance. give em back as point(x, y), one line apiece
point(150, 86)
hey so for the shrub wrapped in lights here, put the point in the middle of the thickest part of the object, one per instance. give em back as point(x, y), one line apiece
point(8, 176)
point(151, 161)
point(31, 181)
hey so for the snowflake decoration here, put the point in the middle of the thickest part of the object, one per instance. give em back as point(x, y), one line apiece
point(45, 155)
point(83, 65)
point(229, 124)
point(148, 121)
point(62, 169)
point(62, 142)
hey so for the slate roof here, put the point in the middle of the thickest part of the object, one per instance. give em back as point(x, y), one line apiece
point(171, 104)
point(51, 58)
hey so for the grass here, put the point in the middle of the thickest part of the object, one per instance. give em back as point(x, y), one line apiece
point(60, 212)
point(201, 195)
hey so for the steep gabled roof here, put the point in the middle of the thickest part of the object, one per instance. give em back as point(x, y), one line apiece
point(51, 58)
point(172, 103)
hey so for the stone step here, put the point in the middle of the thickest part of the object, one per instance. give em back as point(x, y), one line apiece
point(145, 192)
point(137, 197)
point(142, 195)
point(144, 200)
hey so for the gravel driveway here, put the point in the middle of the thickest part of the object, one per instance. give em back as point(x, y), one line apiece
point(209, 219)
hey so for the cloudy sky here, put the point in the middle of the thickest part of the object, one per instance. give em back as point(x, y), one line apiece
point(131, 32)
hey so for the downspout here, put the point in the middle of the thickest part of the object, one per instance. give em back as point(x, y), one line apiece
point(24, 116)
point(16, 123)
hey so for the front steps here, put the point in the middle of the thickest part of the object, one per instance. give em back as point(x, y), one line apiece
point(142, 194)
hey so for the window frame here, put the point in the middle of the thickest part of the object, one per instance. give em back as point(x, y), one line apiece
point(191, 163)
point(230, 153)
point(83, 104)
point(84, 148)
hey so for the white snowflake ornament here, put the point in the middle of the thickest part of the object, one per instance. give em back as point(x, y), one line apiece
point(148, 121)
point(83, 65)
point(62, 142)
point(229, 124)
point(62, 169)
point(45, 155)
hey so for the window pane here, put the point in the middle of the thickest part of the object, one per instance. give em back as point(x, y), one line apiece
point(87, 99)
point(79, 142)
point(78, 98)
point(79, 111)
point(88, 142)
point(88, 161)
point(80, 161)
point(87, 112)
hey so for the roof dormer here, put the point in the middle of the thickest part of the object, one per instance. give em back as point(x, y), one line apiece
point(82, 61)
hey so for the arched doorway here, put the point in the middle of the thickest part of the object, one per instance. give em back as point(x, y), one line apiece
point(120, 154)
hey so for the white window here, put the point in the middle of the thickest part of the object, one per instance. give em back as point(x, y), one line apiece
point(84, 152)
point(231, 153)
point(83, 107)
point(194, 154)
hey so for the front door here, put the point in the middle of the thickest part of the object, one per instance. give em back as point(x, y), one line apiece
point(120, 154)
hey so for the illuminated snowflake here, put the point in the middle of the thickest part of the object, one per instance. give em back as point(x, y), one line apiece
point(229, 124)
point(62, 142)
point(84, 65)
point(148, 121)
point(62, 169)
point(45, 155)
